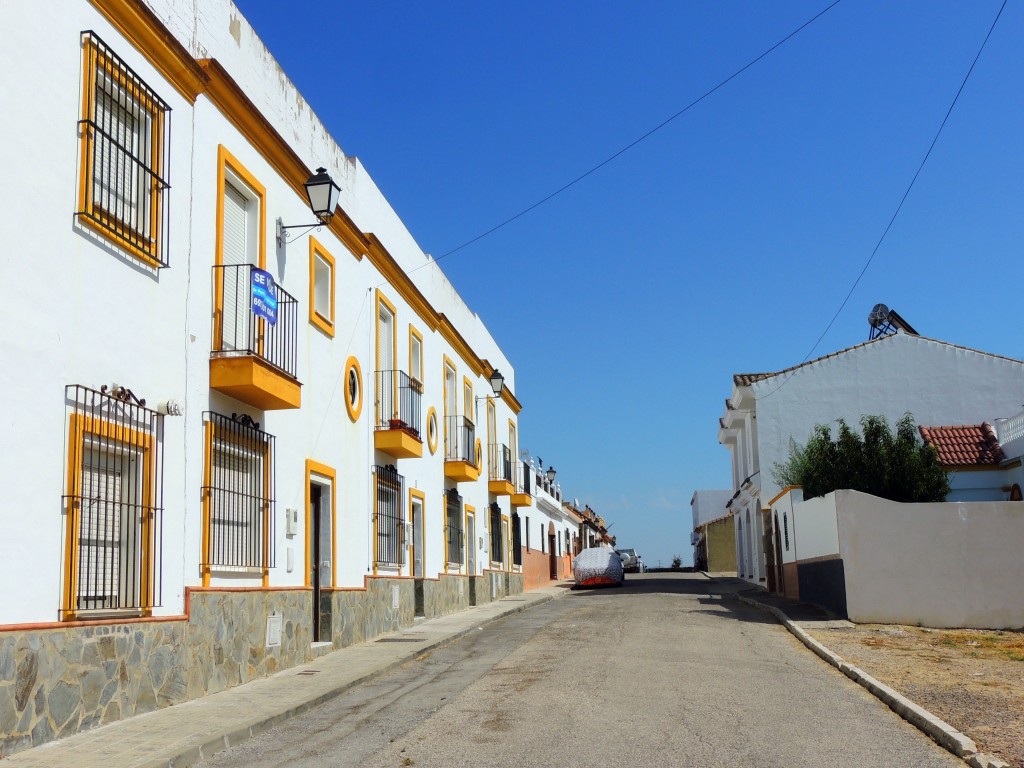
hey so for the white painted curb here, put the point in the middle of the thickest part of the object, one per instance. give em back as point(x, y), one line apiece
point(939, 730)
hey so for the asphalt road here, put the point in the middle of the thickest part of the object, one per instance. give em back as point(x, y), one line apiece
point(666, 671)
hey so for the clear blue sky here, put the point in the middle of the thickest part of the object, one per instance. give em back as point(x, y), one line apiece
point(724, 243)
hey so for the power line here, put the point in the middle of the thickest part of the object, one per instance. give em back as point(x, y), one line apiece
point(646, 135)
point(898, 207)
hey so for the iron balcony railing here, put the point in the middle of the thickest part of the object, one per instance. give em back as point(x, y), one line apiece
point(500, 465)
point(453, 527)
point(237, 331)
point(388, 520)
point(523, 476)
point(460, 440)
point(399, 402)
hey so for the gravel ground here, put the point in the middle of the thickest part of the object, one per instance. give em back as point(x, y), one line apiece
point(972, 679)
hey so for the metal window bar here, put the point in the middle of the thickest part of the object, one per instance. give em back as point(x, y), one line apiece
point(453, 527)
point(113, 502)
point(461, 440)
point(237, 331)
point(399, 402)
point(497, 550)
point(240, 489)
point(523, 476)
point(517, 539)
point(388, 521)
point(500, 464)
point(126, 140)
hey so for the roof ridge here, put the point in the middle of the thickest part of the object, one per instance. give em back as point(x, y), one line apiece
point(746, 379)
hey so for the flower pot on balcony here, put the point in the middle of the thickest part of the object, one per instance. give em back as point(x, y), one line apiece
point(396, 424)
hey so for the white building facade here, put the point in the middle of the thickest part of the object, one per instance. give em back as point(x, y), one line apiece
point(938, 382)
point(196, 495)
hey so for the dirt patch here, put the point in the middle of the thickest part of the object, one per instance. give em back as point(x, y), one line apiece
point(972, 679)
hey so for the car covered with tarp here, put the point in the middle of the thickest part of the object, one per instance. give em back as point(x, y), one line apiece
point(597, 567)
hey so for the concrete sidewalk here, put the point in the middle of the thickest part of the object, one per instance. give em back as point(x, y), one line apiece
point(186, 733)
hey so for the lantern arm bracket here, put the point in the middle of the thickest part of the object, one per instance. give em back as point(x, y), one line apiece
point(283, 235)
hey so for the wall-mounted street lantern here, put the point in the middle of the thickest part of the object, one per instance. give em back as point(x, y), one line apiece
point(323, 194)
point(497, 382)
point(551, 474)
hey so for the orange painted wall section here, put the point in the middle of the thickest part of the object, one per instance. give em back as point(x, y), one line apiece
point(537, 568)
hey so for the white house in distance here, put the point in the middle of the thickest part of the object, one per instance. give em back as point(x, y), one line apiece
point(235, 442)
point(938, 382)
point(705, 507)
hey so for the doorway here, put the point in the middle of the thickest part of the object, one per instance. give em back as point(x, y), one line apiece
point(320, 565)
point(417, 553)
point(552, 554)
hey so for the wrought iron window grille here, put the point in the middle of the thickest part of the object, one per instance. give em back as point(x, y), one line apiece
point(238, 494)
point(497, 550)
point(453, 531)
point(113, 504)
point(388, 520)
point(517, 539)
point(125, 137)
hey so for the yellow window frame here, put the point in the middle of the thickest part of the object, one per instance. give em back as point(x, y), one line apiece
point(210, 433)
point(228, 162)
point(95, 61)
point(79, 428)
point(317, 251)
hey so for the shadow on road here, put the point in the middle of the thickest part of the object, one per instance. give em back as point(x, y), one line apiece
point(717, 594)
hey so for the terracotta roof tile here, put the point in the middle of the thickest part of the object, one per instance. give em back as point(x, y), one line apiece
point(969, 445)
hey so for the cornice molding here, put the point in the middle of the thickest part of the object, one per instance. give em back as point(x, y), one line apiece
point(141, 27)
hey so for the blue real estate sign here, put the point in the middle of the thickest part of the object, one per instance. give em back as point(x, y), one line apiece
point(264, 295)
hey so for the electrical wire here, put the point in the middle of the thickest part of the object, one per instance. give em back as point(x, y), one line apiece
point(899, 207)
point(646, 135)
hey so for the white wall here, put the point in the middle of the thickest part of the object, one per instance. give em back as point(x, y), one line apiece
point(938, 565)
point(708, 505)
point(813, 528)
point(77, 312)
point(938, 383)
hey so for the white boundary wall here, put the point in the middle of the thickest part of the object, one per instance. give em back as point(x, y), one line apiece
point(939, 565)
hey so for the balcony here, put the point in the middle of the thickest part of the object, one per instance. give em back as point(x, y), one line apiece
point(252, 360)
point(399, 415)
point(460, 459)
point(500, 476)
point(522, 496)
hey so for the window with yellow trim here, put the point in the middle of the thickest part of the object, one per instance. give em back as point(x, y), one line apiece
point(321, 287)
point(113, 502)
point(125, 155)
point(238, 495)
point(416, 358)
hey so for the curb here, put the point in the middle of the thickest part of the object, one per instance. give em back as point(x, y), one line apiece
point(206, 746)
point(939, 730)
point(192, 755)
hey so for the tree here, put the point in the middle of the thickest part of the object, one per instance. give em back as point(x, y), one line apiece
point(898, 467)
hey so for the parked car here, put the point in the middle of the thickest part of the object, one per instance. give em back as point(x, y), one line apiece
point(631, 562)
point(597, 567)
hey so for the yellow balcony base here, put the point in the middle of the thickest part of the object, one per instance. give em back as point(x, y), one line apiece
point(461, 471)
point(500, 487)
point(253, 381)
point(398, 443)
point(521, 500)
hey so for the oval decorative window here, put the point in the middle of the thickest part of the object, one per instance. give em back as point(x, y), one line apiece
point(432, 430)
point(353, 388)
